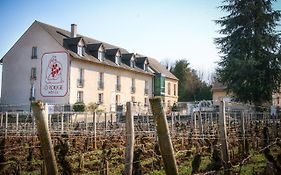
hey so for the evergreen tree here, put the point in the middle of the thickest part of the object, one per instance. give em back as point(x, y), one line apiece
point(191, 87)
point(181, 70)
point(251, 64)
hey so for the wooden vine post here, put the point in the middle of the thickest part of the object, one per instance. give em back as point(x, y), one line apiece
point(130, 139)
point(172, 123)
point(105, 123)
point(193, 122)
point(94, 130)
point(164, 139)
point(243, 132)
point(223, 136)
point(40, 112)
point(6, 125)
point(201, 127)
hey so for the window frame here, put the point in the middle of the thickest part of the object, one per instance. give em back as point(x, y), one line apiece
point(169, 88)
point(80, 80)
point(80, 96)
point(101, 55)
point(145, 87)
point(34, 52)
point(117, 59)
point(81, 50)
point(133, 99)
point(145, 101)
point(100, 98)
point(117, 99)
point(145, 67)
point(33, 73)
point(118, 83)
point(132, 63)
point(101, 80)
point(175, 89)
point(81, 73)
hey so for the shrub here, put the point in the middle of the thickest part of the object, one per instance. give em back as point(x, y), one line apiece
point(79, 107)
point(92, 107)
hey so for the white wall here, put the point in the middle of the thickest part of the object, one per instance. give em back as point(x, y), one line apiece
point(17, 64)
point(171, 98)
point(91, 76)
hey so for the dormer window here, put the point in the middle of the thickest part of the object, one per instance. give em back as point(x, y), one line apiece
point(117, 59)
point(145, 67)
point(101, 55)
point(113, 55)
point(81, 50)
point(132, 63)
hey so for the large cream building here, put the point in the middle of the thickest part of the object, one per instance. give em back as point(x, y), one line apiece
point(95, 71)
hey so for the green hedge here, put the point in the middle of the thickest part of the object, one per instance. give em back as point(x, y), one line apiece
point(79, 107)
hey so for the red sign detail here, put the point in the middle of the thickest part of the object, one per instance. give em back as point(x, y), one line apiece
point(53, 71)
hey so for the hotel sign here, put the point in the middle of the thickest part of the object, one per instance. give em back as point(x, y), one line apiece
point(54, 74)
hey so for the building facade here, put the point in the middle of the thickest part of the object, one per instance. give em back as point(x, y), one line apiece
point(220, 92)
point(94, 72)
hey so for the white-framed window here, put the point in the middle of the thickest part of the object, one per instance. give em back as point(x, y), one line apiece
point(80, 96)
point(101, 55)
point(132, 63)
point(117, 99)
point(33, 75)
point(81, 50)
point(145, 101)
point(101, 80)
point(175, 89)
point(145, 67)
point(32, 93)
point(145, 87)
point(117, 59)
point(169, 88)
point(100, 98)
point(133, 86)
point(34, 52)
point(133, 82)
point(81, 73)
point(118, 83)
point(80, 81)
point(101, 76)
point(133, 99)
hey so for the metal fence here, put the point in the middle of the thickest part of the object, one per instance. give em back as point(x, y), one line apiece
point(201, 123)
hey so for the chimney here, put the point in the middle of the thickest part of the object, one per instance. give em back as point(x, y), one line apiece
point(73, 30)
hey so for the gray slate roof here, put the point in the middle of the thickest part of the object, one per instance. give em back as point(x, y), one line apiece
point(157, 67)
point(111, 51)
point(59, 35)
point(94, 47)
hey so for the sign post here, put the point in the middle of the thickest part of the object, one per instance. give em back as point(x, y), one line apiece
point(54, 74)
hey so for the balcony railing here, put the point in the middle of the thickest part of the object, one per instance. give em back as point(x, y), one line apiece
point(100, 85)
point(80, 83)
point(118, 87)
point(133, 90)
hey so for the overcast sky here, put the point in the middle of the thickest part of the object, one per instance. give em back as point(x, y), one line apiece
point(157, 28)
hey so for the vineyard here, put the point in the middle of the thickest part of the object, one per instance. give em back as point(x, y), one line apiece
point(233, 140)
